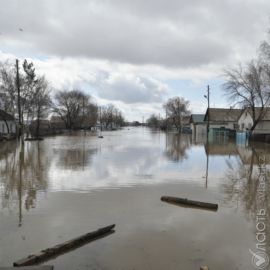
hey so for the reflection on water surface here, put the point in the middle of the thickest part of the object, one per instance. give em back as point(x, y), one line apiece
point(68, 185)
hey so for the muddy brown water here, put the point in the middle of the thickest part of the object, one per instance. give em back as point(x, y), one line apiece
point(68, 185)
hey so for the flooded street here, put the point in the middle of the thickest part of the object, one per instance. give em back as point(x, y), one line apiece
point(69, 185)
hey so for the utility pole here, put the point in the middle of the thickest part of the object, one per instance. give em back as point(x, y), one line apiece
point(207, 134)
point(18, 97)
point(208, 107)
point(100, 122)
point(166, 119)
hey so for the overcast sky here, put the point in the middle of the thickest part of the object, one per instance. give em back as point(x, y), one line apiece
point(135, 53)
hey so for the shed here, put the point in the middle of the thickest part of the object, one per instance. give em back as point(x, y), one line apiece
point(7, 123)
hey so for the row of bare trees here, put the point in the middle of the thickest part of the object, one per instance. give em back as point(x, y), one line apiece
point(76, 109)
point(34, 94)
point(35, 102)
point(248, 85)
point(176, 110)
point(111, 117)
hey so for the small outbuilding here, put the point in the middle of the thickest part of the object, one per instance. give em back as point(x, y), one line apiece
point(7, 124)
point(197, 124)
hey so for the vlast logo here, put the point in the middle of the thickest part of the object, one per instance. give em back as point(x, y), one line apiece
point(260, 259)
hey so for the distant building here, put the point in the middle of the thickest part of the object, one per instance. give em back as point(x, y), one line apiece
point(7, 124)
point(197, 125)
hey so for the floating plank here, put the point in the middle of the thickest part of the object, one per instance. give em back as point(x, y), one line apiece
point(190, 203)
point(34, 139)
point(39, 267)
point(57, 250)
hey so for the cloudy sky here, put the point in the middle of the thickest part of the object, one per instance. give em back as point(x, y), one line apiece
point(135, 53)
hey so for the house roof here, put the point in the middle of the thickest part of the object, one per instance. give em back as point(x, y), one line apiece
point(197, 118)
point(56, 119)
point(223, 114)
point(265, 116)
point(6, 116)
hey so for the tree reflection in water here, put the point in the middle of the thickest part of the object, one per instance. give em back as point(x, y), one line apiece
point(75, 159)
point(243, 177)
point(23, 172)
point(177, 146)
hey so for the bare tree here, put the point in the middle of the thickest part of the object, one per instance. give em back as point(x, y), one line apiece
point(119, 119)
point(153, 121)
point(89, 115)
point(111, 117)
point(34, 94)
point(41, 101)
point(75, 109)
point(248, 87)
point(8, 88)
point(176, 108)
point(35, 99)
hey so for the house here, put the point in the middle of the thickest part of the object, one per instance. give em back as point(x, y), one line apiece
point(197, 125)
point(7, 124)
point(57, 123)
point(223, 123)
point(221, 118)
point(245, 121)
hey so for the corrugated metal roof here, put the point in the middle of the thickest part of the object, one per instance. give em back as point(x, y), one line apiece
point(223, 115)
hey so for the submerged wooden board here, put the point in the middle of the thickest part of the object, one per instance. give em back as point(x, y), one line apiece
point(57, 250)
point(36, 267)
point(190, 203)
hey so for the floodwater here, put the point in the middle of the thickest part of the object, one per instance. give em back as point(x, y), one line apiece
point(65, 186)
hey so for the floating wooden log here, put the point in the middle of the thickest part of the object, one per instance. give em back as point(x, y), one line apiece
point(39, 267)
point(57, 250)
point(190, 203)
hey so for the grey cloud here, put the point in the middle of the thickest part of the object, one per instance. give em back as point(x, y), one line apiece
point(168, 33)
point(130, 89)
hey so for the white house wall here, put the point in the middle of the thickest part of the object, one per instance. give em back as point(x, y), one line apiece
point(245, 121)
point(263, 127)
point(201, 129)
